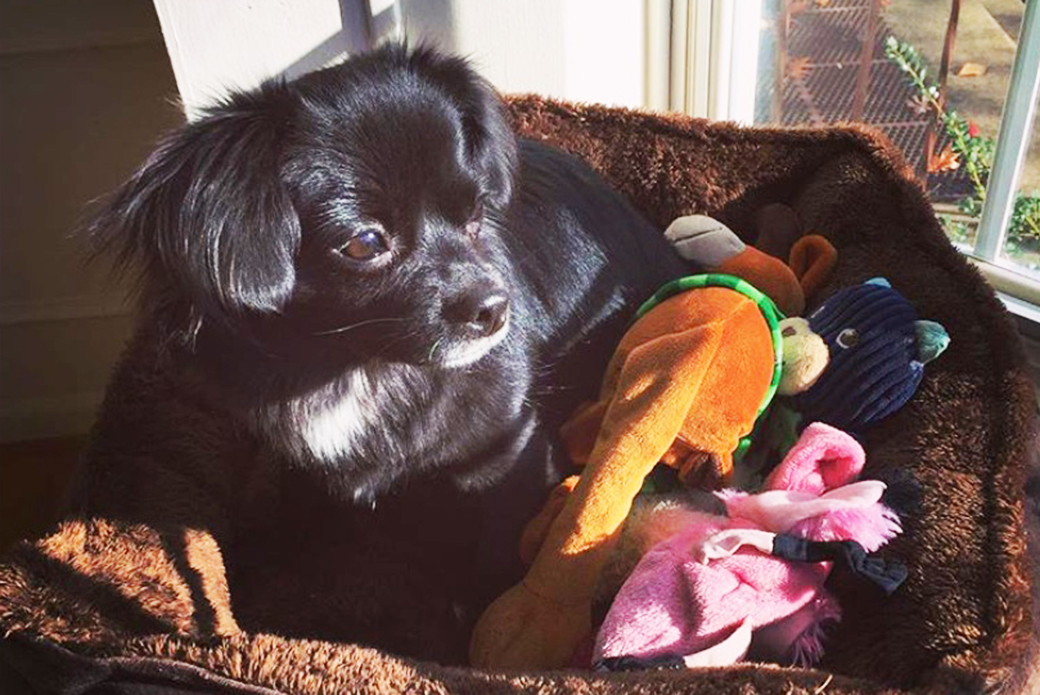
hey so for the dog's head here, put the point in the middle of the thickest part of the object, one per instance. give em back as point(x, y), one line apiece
point(348, 216)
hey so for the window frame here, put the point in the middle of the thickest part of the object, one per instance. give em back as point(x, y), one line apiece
point(1013, 137)
point(1020, 292)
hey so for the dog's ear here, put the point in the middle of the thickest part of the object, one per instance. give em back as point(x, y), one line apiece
point(490, 142)
point(207, 213)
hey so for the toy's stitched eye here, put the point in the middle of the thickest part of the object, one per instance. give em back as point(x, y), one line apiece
point(789, 331)
point(365, 246)
point(848, 338)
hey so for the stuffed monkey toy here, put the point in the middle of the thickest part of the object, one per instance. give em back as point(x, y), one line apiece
point(684, 386)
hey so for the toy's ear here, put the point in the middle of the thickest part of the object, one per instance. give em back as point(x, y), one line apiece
point(812, 260)
point(932, 340)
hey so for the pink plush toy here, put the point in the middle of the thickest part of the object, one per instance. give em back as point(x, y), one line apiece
point(753, 580)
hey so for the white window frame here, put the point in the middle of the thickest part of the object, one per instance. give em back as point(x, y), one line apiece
point(1016, 125)
point(714, 64)
point(703, 69)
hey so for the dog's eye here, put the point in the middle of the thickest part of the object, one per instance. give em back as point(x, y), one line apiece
point(475, 220)
point(365, 246)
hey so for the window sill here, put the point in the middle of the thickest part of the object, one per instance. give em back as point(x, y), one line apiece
point(1020, 294)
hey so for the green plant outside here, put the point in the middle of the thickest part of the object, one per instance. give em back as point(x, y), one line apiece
point(975, 154)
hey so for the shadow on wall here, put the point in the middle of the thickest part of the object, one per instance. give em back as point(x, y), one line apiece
point(87, 89)
point(429, 22)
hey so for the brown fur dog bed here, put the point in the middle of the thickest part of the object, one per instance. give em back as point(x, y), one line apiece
point(101, 602)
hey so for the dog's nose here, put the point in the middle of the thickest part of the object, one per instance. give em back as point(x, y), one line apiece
point(480, 314)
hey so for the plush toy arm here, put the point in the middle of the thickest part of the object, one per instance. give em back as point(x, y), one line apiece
point(533, 536)
point(538, 623)
point(661, 381)
point(812, 259)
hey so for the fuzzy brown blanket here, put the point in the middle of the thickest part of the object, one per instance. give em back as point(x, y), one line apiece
point(124, 607)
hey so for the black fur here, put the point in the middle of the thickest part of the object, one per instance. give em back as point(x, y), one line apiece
point(243, 225)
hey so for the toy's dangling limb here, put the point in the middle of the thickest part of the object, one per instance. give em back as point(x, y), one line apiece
point(533, 536)
point(812, 259)
point(538, 623)
point(640, 426)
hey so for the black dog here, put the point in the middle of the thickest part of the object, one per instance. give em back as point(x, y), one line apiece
point(366, 309)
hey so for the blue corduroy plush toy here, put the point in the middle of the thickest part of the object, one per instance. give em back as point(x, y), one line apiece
point(874, 348)
point(877, 350)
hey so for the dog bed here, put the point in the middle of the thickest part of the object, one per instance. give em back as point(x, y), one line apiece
point(107, 604)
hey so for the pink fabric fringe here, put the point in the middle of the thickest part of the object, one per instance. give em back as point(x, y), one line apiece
point(674, 604)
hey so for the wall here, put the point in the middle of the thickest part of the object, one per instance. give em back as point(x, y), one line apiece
point(86, 90)
point(237, 44)
point(582, 50)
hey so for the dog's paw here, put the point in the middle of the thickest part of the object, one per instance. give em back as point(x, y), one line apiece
point(521, 630)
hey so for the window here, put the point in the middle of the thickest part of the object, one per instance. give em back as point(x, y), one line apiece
point(954, 85)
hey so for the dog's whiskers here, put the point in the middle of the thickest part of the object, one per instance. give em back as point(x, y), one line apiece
point(359, 324)
point(433, 349)
point(395, 341)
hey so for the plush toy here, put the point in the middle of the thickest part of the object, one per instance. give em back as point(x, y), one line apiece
point(748, 579)
point(722, 317)
point(868, 336)
point(685, 385)
point(855, 360)
point(875, 351)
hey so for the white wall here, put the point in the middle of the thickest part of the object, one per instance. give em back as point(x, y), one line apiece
point(581, 50)
point(218, 46)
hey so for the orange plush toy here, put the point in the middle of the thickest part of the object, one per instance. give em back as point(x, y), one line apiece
point(686, 383)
